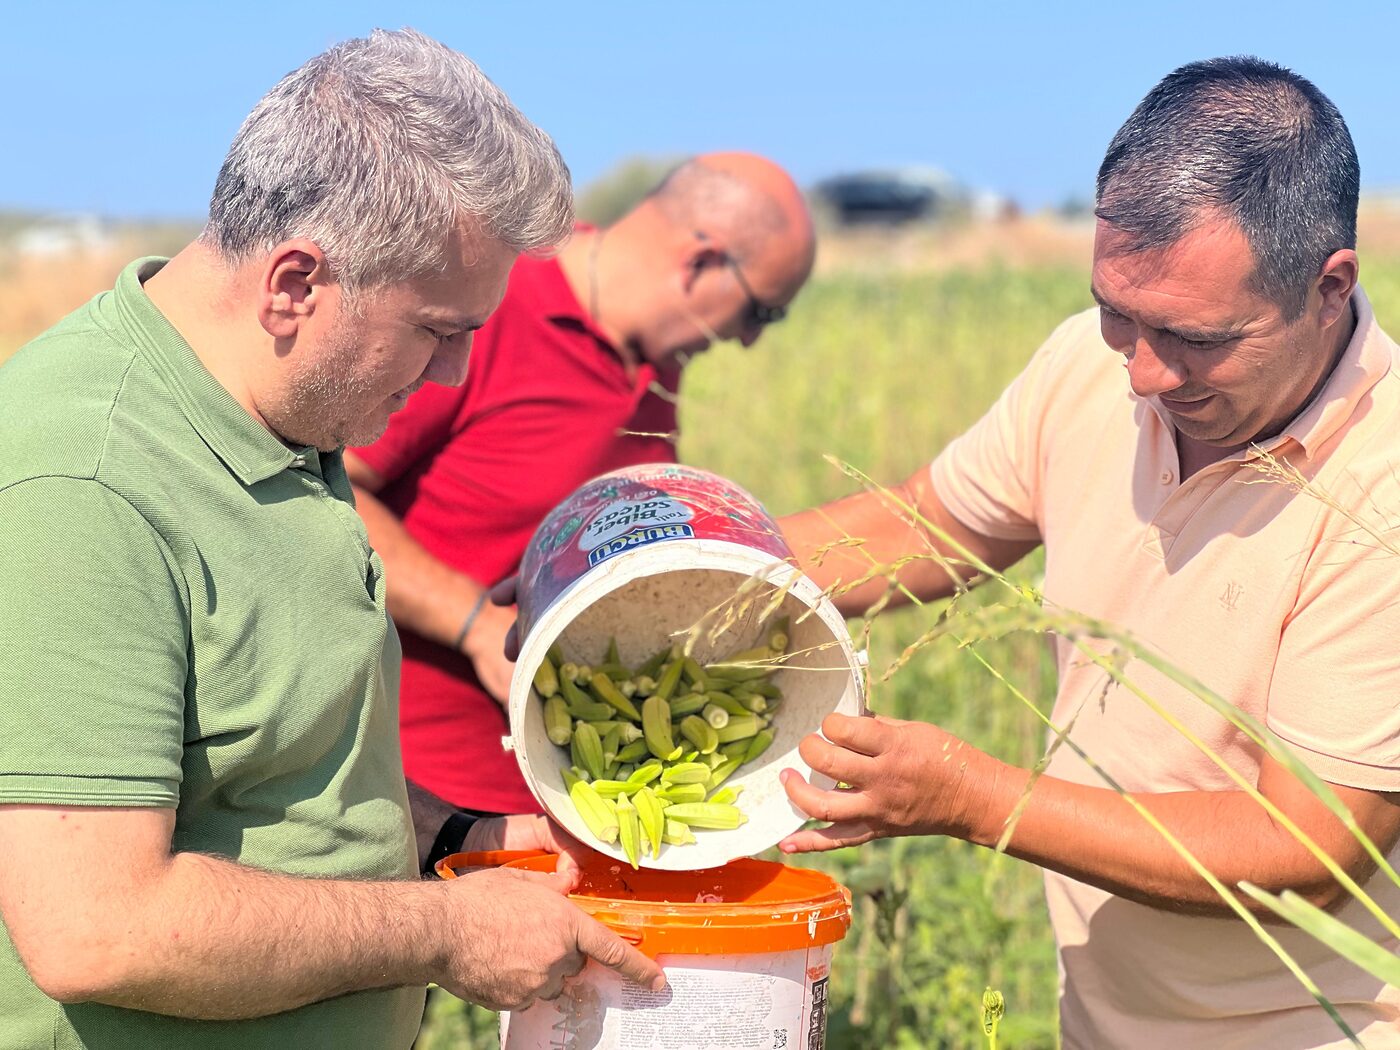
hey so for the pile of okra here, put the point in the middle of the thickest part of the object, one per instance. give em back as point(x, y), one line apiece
point(651, 748)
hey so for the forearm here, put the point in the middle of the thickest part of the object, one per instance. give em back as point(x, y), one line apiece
point(915, 778)
point(849, 547)
point(1096, 836)
point(854, 547)
point(211, 939)
point(425, 595)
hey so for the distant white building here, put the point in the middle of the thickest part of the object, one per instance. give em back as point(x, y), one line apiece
point(65, 235)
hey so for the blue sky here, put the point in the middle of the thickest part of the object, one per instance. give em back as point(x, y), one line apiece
point(126, 109)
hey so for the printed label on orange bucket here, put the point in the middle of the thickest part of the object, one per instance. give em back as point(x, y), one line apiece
point(746, 948)
point(672, 659)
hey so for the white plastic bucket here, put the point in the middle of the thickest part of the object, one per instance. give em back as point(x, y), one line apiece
point(644, 553)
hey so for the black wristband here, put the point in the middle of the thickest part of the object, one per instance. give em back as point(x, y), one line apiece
point(450, 838)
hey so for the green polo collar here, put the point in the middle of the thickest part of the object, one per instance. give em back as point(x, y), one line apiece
point(249, 450)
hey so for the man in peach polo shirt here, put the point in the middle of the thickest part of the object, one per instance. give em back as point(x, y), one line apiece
point(1226, 275)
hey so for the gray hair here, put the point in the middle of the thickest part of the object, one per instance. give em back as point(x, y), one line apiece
point(377, 150)
point(1247, 139)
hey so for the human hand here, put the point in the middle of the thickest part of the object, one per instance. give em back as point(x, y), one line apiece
point(515, 937)
point(528, 831)
point(906, 778)
point(485, 646)
point(504, 594)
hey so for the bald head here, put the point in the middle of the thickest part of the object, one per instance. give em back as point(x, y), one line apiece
point(749, 204)
point(716, 252)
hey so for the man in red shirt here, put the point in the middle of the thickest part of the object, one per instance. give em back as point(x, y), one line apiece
point(574, 375)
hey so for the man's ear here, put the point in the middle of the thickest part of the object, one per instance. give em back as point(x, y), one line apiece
point(291, 286)
point(1335, 284)
point(701, 254)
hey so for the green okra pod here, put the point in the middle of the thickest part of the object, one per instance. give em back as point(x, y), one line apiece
point(652, 667)
point(717, 716)
point(722, 772)
point(633, 751)
point(674, 833)
point(726, 795)
point(700, 733)
point(716, 815)
point(546, 679)
point(726, 703)
point(740, 727)
point(629, 830)
point(598, 815)
point(647, 772)
point(590, 749)
point(758, 744)
point(680, 793)
point(686, 773)
point(558, 725)
point(693, 672)
point(651, 816)
point(604, 689)
point(670, 678)
point(687, 705)
point(656, 728)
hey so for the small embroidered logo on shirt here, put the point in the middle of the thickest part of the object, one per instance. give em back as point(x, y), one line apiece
point(1230, 597)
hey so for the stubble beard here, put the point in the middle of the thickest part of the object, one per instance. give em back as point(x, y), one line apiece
point(325, 404)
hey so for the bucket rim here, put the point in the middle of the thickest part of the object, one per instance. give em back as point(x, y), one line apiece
point(707, 554)
point(812, 910)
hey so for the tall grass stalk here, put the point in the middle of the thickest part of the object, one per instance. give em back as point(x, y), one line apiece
point(1082, 630)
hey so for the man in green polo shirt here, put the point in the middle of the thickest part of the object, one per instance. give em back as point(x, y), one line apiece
point(203, 818)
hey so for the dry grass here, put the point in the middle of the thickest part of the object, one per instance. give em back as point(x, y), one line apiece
point(1026, 242)
point(37, 290)
point(1378, 228)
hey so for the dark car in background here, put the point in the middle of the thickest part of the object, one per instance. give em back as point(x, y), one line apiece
point(893, 196)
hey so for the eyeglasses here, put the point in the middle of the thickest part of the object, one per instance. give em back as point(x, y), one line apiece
point(759, 313)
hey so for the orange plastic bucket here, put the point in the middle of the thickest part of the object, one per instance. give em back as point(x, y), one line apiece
point(746, 948)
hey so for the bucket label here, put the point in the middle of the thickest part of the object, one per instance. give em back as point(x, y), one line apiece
point(816, 1027)
point(622, 516)
point(629, 509)
point(719, 1002)
point(639, 538)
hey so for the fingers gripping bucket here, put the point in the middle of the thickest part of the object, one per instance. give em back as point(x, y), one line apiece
point(746, 948)
point(642, 555)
